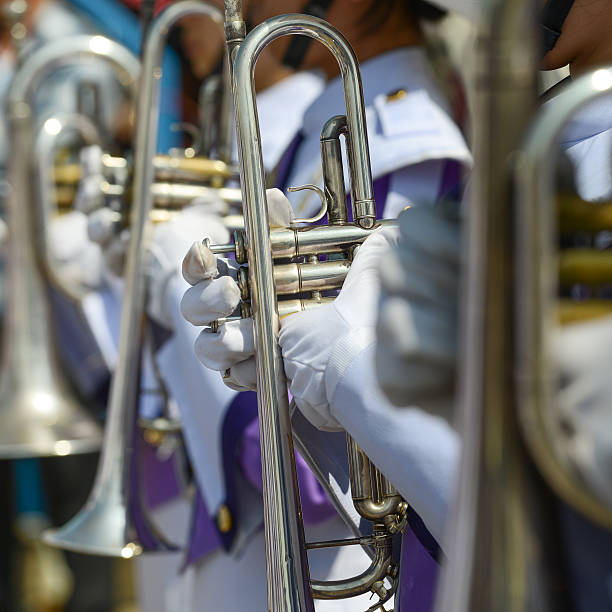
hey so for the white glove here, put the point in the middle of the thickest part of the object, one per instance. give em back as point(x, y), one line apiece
point(583, 354)
point(168, 245)
point(104, 228)
point(308, 339)
point(78, 258)
point(89, 194)
point(215, 295)
point(417, 323)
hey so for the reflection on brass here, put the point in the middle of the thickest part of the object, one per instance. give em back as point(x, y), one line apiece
point(578, 215)
point(69, 174)
point(585, 267)
point(571, 311)
point(167, 168)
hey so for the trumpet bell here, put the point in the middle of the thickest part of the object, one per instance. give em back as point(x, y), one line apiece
point(43, 419)
point(109, 525)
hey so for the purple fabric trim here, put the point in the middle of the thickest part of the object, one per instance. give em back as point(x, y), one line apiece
point(203, 535)
point(285, 165)
point(238, 416)
point(316, 506)
point(418, 575)
point(143, 531)
point(160, 478)
point(451, 181)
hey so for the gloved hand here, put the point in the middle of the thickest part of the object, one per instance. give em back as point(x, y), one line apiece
point(309, 339)
point(104, 228)
point(583, 354)
point(214, 294)
point(89, 196)
point(417, 321)
point(168, 245)
point(79, 260)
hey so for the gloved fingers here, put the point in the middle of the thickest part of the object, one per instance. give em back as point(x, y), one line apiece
point(424, 230)
point(231, 344)
point(90, 158)
point(103, 225)
point(280, 211)
point(68, 235)
point(417, 334)
point(419, 278)
point(210, 300)
point(242, 376)
point(358, 299)
point(201, 263)
point(89, 196)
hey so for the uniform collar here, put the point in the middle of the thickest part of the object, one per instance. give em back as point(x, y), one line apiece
point(405, 67)
point(285, 90)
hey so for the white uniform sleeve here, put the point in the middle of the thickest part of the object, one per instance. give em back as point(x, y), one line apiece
point(416, 450)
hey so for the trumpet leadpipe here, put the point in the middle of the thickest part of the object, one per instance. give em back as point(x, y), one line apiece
point(167, 168)
point(289, 243)
point(170, 168)
point(165, 195)
point(178, 195)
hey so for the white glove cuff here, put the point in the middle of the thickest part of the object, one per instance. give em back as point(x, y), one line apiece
point(344, 352)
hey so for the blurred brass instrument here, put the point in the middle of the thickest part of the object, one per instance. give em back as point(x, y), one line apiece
point(113, 521)
point(542, 220)
point(48, 202)
point(178, 182)
point(503, 543)
point(40, 415)
point(302, 249)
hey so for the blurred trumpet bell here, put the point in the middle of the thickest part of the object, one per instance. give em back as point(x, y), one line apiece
point(40, 417)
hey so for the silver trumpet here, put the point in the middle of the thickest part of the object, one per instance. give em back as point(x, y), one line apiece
point(290, 587)
point(113, 521)
point(40, 415)
point(504, 548)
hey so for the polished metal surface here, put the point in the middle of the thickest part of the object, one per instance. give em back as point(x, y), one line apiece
point(289, 585)
point(289, 243)
point(503, 547)
point(40, 415)
point(538, 288)
point(112, 521)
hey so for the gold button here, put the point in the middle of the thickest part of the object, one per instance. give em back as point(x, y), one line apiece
point(396, 95)
point(224, 519)
point(153, 436)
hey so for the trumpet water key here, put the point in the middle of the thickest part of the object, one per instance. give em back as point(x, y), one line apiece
point(290, 587)
point(40, 416)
